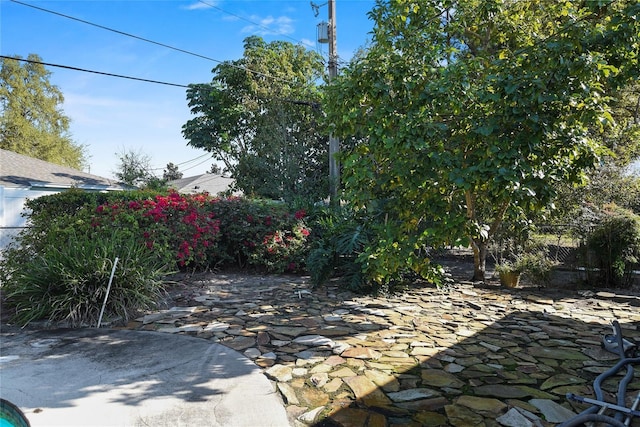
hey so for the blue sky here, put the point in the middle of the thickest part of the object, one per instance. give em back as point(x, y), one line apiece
point(110, 115)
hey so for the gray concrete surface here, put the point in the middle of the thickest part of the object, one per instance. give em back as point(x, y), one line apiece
point(103, 377)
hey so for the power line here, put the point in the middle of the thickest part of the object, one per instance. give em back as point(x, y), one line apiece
point(258, 73)
point(196, 165)
point(312, 104)
point(188, 161)
point(115, 31)
point(208, 155)
point(68, 67)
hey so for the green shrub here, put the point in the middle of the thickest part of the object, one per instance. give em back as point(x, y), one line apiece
point(614, 246)
point(357, 249)
point(72, 201)
point(261, 234)
point(340, 238)
point(535, 264)
point(59, 266)
point(68, 280)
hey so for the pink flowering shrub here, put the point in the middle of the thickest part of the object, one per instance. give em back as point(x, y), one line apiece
point(173, 225)
point(198, 231)
point(262, 234)
point(282, 250)
point(184, 231)
point(58, 267)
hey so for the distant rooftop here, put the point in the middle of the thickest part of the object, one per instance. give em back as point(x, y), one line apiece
point(18, 170)
point(210, 183)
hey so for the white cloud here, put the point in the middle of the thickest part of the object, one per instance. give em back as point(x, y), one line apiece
point(308, 43)
point(201, 5)
point(269, 25)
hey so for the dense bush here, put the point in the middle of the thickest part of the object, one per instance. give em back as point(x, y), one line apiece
point(339, 239)
point(57, 267)
point(68, 281)
point(171, 225)
point(261, 234)
point(354, 247)
point(614, 247)
point(72, 201)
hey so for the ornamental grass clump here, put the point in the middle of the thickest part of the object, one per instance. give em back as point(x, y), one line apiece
point(68, 281)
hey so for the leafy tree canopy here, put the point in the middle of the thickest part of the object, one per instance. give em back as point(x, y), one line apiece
point(259, 117)
point(472, 112)
point(171, 172)
point(614, 179)
point(624, 139)
point(215, 169)
point(31, 118)
point(134, 168)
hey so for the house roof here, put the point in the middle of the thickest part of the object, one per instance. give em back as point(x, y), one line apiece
point(18, 170)
point(210, 183)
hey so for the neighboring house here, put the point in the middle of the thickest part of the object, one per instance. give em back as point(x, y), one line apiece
point(210, 183)
point(23, 177)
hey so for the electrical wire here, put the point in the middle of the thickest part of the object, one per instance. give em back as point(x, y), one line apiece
point(149, 171)
point(208, 155)
point(68, 67)
point(312, 104)
point(188, 161)
point(196, 165)
point(258, 73)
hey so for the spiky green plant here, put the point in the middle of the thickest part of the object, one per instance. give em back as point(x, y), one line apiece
point(68, 282)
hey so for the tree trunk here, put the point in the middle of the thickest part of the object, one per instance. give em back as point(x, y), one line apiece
point(480, 244)
point(479, 260)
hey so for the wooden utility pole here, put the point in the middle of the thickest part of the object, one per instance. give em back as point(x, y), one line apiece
point(334, 143)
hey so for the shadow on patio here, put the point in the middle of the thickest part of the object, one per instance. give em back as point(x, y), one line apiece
point(463, 356)
point(468, 368)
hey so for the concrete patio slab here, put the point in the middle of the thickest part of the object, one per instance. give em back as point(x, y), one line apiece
point(105, 377)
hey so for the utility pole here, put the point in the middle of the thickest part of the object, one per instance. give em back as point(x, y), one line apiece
point(334, 143)
point(327, 34)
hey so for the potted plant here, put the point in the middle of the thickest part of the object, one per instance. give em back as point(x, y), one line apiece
point(535, 265)
point(509, 273)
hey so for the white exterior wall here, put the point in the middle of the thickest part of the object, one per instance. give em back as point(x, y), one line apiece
point(12, 205)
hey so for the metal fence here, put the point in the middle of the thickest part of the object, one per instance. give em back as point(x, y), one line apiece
point(561, 244)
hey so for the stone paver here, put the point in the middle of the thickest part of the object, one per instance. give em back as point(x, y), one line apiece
point(463, 355)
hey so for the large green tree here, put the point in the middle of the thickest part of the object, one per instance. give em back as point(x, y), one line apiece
point(134, 169)
point(624, 140)
point(259, 116)
point(171, 172)
point(472, 112)
point(31, 118)
point(614, 179)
